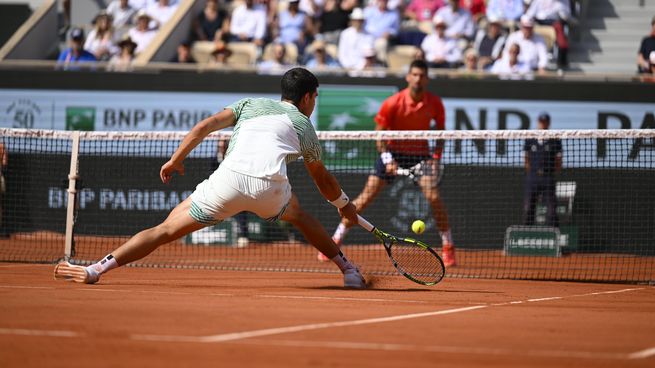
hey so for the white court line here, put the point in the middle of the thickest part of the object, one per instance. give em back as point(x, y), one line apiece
point(353, 345)
point(26, 332)
point(642, 354)
point(338, 298)
point(316, 326)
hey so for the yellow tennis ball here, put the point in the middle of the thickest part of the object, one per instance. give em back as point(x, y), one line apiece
point(418, 227)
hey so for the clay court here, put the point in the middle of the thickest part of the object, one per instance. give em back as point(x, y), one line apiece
point(176, 317)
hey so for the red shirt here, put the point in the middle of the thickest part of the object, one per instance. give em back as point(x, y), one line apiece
point(400, 112)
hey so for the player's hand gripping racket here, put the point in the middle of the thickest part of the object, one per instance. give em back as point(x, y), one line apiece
point(415, 172)
point(412, 258)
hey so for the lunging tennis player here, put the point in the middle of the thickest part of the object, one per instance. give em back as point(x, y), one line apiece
point(253, 177)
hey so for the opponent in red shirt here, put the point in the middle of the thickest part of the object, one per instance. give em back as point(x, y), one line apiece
point(413, 108)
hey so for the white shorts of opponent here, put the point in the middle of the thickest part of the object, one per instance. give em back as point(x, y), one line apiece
point(226, 193)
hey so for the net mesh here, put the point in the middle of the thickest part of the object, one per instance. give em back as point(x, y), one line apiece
point(594, 222)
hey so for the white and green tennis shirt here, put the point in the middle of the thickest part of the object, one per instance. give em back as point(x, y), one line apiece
point(268, 134)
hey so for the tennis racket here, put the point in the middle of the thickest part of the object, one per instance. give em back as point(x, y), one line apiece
point(414, 259)
point(415, 172)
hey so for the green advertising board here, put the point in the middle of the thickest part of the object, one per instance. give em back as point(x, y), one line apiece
point(532, 241)
point(80, 118)
point(350, 108)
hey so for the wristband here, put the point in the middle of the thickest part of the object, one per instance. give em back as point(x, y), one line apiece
point(386, 157)
point(341, 201)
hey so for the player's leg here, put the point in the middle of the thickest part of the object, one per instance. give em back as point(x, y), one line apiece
point(178, 223)
point(317, 236)
point(428, 184)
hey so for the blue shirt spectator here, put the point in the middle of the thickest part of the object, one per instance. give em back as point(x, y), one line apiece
point(505, 10)
point(380, 21)
point(292, 24)
point(75, 53)
point(459, 20)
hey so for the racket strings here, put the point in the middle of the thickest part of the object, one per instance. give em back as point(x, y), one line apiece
point(418, 262)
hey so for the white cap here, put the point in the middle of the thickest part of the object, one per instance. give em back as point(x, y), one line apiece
point(493, 20)
point(651, 57)
point(527, 21)
point(357, 14)
point(437, 20)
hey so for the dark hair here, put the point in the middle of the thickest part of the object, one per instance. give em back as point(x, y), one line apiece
point(420, 64)
point(296, 83)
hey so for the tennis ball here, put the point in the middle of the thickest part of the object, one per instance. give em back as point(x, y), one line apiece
point(418, 227)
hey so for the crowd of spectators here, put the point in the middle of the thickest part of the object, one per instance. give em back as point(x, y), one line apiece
point(354, 35)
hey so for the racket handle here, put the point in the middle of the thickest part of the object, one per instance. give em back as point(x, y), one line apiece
point(405, 172)
point(365, 224)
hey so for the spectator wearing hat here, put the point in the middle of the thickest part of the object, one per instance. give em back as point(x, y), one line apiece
point(459, 21)
point(645, 49)
point(471, 62)
point(441, 51)
point(543, 159)
point(101, 40)
point(320, 59)
point(423, 10)
point(121, 13)
point(511, 67)
point(248, 23)
point(506, 11)
point(489, 42)
point(554, 13)
point(221, 54)
point(383, 24)
point(533, 46)
point(293, 26)
point(333, 20)
point(141, 33)
point(75, 53)
point(211, 23)
point(183, 54)
point(353, 41)
point(122, 62)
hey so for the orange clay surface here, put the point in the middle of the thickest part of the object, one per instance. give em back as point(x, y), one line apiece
point(140, 317)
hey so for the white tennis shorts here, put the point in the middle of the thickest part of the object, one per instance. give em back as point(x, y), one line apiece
point(226, 193)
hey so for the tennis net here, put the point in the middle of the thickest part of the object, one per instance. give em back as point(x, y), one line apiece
point(591, 220)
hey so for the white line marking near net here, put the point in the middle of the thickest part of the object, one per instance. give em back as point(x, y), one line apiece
point(642, 354)
point(337, 298)
point(434, 349)
point(26, 332)
point(316, 326)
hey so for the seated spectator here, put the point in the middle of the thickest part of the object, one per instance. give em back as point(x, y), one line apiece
point(141, 33)
point(441, 51)
point(533, 46)
point(422, 10)
point(477, 8)
point(489, 43)
point(220, 54)
point(470, 62)
point(383, 24)
point(333, 20)
point(76, 52)
point(211, 23)
point(312, 8)
point(320, 59)
point(122, 62)
point(293, 26)
point(121, 13)
point(510, 66)
point(459, 21)
point(353, 41)
point(183, 55)
point(370, 67)
point(248, 23)
point(161, 11)
point(276, 65)
point(649, 76)
point(554, 13)
point(100, 41)
point(645, 49)
point(140, 4)
point(507, 11)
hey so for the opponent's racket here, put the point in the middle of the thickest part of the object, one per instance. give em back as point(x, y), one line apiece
point(415, 172)
point(412, 258)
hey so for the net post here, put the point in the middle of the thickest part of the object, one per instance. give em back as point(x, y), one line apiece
point(72, 193)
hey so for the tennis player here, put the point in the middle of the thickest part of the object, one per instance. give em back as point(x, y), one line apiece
point(413, 108)
point(253, 177)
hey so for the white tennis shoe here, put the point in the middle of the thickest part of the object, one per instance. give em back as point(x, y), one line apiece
point(352, 279)
point(68, 272)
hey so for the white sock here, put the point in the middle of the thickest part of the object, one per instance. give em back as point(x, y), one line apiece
point(446, 237)
point(106, 264)
point(340, 233)
point(342, 262)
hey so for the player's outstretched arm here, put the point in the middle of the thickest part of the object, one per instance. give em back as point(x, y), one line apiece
point(329, 187)
point(213, 123)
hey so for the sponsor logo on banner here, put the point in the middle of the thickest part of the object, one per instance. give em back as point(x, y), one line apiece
point(80, 118)
point(22, 113)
